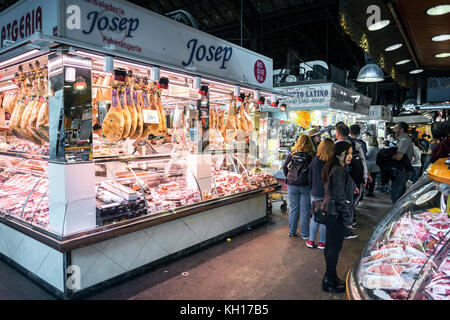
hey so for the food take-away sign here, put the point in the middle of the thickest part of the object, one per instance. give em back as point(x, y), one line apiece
point(127, 28)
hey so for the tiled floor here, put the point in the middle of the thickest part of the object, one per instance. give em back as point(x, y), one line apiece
point(261, 263)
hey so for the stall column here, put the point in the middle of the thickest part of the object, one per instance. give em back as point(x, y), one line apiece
point(71, 169)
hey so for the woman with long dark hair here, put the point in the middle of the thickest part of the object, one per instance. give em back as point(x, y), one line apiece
point(337, 202)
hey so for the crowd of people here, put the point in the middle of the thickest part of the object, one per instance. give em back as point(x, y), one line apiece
point(327, 174)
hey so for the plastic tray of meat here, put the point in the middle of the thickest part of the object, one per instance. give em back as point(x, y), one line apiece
point(385, 269)
point(382, 282)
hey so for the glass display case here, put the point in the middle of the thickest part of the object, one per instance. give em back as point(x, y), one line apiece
point(24, 190)
point(407, 256)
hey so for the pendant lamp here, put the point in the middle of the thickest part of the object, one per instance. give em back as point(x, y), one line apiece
point(371, 72)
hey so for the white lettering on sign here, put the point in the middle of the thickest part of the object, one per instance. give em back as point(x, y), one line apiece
point(73, 20)
point(375, 16)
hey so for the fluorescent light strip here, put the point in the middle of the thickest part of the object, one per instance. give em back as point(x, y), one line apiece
point(441, 37)
point(88, 54)
point(393, 47)
point(219, 83)
point(442, 55)
point(176, 74)
point(416, 71)
point(9, 87)
point(378, 25)
point(403, 61)
point(131, 64)
point(20, 56)
point(438, 10)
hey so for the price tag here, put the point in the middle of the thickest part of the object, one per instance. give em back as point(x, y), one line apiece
point(150, 116)
point(153, 209)
point(172, 205)
point(196, 196)
point(94, 93)
point(128, 96)
point(161, 208)
point(183, 202)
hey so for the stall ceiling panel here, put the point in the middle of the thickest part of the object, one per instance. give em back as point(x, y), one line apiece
point(421, 27)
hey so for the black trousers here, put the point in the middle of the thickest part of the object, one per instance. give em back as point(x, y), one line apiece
point(335, 237)
point(372, 184)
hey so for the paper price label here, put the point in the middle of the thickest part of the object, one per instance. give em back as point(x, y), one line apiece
point(128, 96)
point(160, 208)
point(150, 116)
point(94, 93)
point(145, 98)
point(153, 209)
point(114, 98)
point(183, 202)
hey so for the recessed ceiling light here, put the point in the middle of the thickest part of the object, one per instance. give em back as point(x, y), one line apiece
point(393, 47)
point(378, 25)
point(416, 71)
point(442, 55)
point(439, 10)
point(441, 37)
point(403, 61)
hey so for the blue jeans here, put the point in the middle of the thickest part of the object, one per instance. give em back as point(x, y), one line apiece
point(314, 226)
point(300, 206)
point(416, 174)
point(398, 186)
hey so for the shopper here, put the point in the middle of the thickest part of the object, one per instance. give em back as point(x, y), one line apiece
point(416, 161)
point(337, 204)
point(355, 131)
point(324, 153)
point(358, 170)
point(442, 132)
point(403, 156)
point(296, 170)
point(372, 151)
point(314, 134)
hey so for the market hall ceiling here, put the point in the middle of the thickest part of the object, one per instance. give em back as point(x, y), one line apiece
point(410, 26)
point(310, 28)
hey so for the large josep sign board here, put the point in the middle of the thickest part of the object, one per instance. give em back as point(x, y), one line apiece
point(143, 33)
point(138, 32)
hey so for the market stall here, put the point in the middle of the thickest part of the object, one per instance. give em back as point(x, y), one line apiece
point(121, 146)
point(407, 256)
point(379, 116)
point(319, 105)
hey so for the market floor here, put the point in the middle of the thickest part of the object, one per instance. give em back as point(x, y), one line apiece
point(261, 263)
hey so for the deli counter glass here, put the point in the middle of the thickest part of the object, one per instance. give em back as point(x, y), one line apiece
point(407, 257)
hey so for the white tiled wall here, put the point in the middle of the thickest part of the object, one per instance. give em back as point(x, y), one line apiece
point(33, 255)
point(113, 257)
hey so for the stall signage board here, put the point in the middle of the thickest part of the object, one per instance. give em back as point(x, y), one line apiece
point(345, 99)
point(135, 31)
point(25, 18)
point(378, 112)
point(307, 96)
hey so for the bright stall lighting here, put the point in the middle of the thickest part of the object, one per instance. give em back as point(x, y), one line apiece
point(378, 25)
point(393, 47)
point(415, 71)
point(20, 56)
point(441, 37)
point(439, 10)
point(442, 55)
point(403, 61)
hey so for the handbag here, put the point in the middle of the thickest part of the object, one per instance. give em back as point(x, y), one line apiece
point(318, 211)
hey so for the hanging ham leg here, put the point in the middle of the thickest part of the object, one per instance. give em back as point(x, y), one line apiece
point(140, 117)
point(126, 114)
point(132, 110)
point(113, 125)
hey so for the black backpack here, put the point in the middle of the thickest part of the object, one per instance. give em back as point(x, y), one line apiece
point(298, 169)
point(356, 166)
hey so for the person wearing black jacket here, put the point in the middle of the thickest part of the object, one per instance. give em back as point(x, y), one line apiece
point(337, 204)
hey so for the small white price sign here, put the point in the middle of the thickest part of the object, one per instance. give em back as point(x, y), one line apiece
point(183, 202)
point(150, 116)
